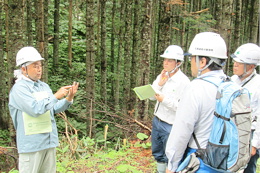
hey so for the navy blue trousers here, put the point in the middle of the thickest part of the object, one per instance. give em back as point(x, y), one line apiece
point(160, 134)
point(252, 164)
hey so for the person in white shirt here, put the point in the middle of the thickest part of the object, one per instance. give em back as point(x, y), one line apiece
point(246, 59)
point(169, 87)
point(208, 53)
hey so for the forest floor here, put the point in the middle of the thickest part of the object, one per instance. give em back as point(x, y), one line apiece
point(140, 162)
point(134, 159)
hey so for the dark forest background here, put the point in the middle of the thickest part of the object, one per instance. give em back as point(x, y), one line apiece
point(110, 47)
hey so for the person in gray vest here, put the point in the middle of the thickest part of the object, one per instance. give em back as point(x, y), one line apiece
point(169, 87)
point(32, 107)
point(246, 59)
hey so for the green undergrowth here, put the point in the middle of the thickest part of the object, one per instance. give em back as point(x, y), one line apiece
point(99, 156)
point(88, 155)
point(127, 160)
point(132, 158)
point(94, 156)
point(258, 166)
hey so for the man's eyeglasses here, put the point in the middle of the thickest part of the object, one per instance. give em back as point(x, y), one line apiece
point(237, 63)
point(190, 57)
point(37, 66)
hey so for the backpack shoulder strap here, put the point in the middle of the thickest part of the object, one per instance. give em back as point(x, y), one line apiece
point(214, 80)
point(196, 140)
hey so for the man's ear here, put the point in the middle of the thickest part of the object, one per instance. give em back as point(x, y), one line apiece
point(178, 63)
point(251, 67)
point(23, 70)
point(203, 62)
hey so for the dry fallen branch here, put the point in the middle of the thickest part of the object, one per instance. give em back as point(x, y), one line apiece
point(201, 11)
point(118, 118)
point(4, 150)
point(120, 126)
point(142, 125)
point(113, 166)
point(10, 159)
point(75, 143)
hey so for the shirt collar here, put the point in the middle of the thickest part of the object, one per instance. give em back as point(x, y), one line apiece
point(214, 73)
point(176, 74)
point(248, 78)
point(31, 82)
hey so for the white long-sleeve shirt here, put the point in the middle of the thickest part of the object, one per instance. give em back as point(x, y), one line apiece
point(252, 83)
point(194, 114)
point(172, 90)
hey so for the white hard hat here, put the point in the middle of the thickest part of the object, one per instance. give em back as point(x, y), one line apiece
point(173, 52)
point(248, 53)
point(27, 54)
point(208, 44)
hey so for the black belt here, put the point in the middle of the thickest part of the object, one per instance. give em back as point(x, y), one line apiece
point(161, 120)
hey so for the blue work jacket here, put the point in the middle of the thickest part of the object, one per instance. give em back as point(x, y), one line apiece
point(21, 99)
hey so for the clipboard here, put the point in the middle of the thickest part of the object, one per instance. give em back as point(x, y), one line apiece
point(144, 92)
point(40, 124)
point(36, 125)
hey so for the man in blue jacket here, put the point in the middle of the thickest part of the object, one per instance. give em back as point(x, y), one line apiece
point(32, 107)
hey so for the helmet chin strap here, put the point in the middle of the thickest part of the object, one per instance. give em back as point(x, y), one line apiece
point(246, 73)
point(27, 75)
point(176, 67)
point(198, 65)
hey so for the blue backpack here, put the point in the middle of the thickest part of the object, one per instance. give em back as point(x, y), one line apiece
point(228, 148)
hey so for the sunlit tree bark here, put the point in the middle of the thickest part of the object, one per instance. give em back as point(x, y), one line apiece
point(46, 38)
point(3, 90)
point(119, 64)
point(14, 41)
point(90, 65)
point(29, 21)
point(40, 21)
point(70, 34)
point(113, 51)
point(103, 56)
point(56, 34)
point(237, 25)
point(128, 58)
point(135, 51)
point(223, 26)
point(155, 42)
point(253, 22)
point(164, 24)
point(145, 51)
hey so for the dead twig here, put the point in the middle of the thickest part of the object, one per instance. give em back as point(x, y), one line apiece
point(73, 149)
point(112, 167)
point(142, 125)
point(12, 163)
point(201, 11)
